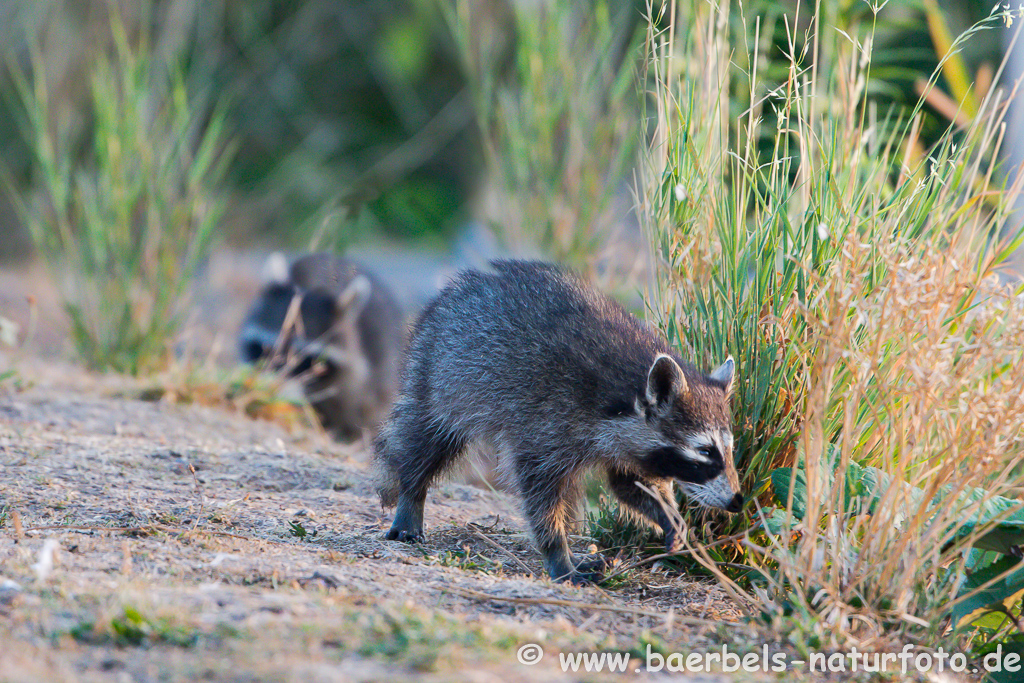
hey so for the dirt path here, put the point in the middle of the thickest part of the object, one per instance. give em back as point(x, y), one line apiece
point(161, 574)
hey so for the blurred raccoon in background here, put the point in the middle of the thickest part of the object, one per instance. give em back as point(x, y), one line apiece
point(335, 328)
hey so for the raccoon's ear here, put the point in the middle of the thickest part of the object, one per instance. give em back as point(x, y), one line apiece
point(723, 374)
point(354, 297)
point(275, 270)
point(664, 381)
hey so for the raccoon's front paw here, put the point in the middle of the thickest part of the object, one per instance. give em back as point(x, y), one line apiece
point(404, 535)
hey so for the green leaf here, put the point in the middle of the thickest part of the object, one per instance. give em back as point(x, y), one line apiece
point(786, 478)
point(999, 519)
point(994, 655)
point(999, 596)
point(777, 521)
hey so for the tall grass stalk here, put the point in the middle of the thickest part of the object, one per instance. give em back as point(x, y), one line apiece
point(857, 289)
point(125, 205)
point(557, 111)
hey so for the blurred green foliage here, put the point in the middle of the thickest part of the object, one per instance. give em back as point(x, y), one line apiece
point(350, 117)
point(359, 118)
point(558, 107)
point(349, 114)
point(126, 207)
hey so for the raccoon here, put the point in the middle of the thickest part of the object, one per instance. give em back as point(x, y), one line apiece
point(558, 379)
point(335, 328)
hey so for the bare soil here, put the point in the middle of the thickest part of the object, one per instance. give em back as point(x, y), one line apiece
point(162, 573)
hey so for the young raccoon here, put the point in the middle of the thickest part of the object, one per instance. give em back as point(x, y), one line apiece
point(335, 328)
point(558, 378)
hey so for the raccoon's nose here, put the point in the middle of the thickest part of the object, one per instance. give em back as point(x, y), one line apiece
point(737, 503)
point(252, 351)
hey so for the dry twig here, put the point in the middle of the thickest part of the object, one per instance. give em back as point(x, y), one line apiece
point(498, 546)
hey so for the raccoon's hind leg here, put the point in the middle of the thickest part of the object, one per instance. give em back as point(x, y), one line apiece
point(414, 458)
point(549, 500)
point(640, 503)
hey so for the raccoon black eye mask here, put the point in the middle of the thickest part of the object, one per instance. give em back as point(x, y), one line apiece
point(560, 379)
point(669, 462)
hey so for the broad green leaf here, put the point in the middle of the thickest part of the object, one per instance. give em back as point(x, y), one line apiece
point(994, 655)
point(785, 478)
point(777, 520)
point(1002, 594)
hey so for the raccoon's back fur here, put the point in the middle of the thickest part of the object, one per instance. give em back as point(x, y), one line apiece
point(558, 378)
point(344, 342)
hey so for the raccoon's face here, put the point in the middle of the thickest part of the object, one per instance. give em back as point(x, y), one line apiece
point(311, 334)
point(326, 341)
point(693, 422)
point(261, 334)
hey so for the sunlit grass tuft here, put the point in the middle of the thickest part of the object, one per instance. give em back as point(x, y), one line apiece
point(125, 204)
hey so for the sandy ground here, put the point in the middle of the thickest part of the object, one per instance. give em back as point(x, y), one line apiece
point(124, 565)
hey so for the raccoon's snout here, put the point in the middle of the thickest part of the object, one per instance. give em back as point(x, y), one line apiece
point(252, 351)
point(716, 493)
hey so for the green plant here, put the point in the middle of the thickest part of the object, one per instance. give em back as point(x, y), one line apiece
point(12, 378)
point(298, 531)
point(855, 287)
point(467, 560)
point(990, 583)
point(132, 628)
point(557, 112)
point(421, 641)
point(126, 205)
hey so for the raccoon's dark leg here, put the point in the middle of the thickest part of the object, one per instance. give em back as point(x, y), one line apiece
point(640, 503)
point(424, 453)
point(549, 500)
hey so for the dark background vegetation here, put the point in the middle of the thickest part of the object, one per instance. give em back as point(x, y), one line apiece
point(352, 119)
point(328, 104)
